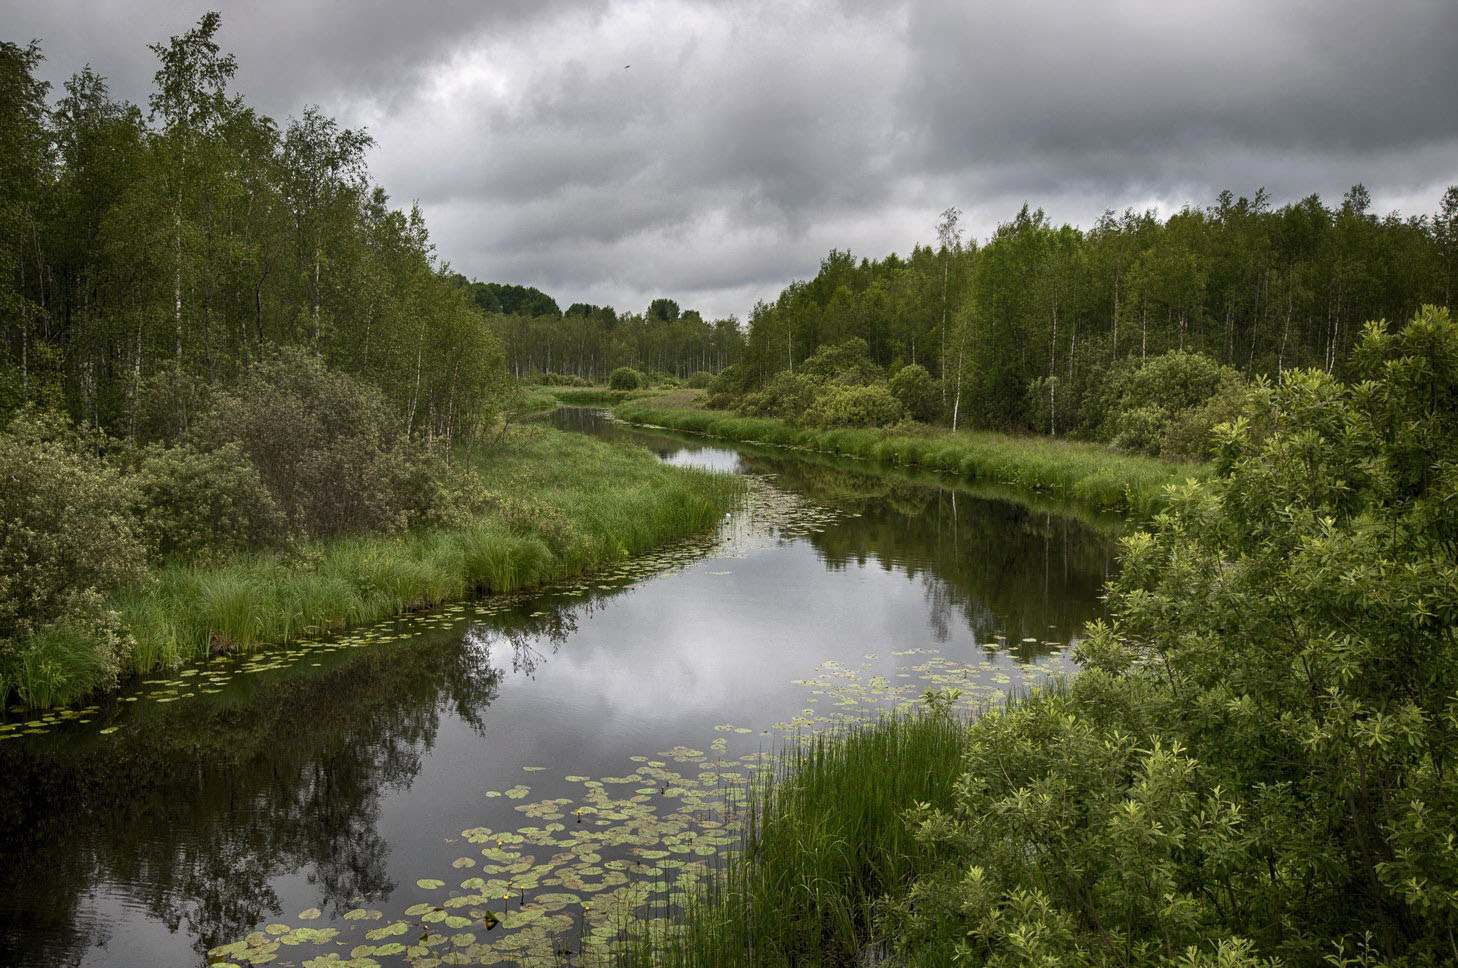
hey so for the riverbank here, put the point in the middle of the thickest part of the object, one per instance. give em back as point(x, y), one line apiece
point(562, 505)
point(594, 396)
point(1089, 474)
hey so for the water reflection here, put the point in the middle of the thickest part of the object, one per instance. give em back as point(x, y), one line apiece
point(337, 783)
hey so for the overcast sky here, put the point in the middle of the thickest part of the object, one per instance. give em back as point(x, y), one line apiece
point(714, 150)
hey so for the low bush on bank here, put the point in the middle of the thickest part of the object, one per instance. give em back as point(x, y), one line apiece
point(626, 378)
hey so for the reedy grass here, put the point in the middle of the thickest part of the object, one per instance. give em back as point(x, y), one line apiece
point(1089, 474)
point(825, 839)
point(604, 502)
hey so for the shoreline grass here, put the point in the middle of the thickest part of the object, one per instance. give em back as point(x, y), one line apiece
point(825, 840)
point(1089, 474)
point(570, 504)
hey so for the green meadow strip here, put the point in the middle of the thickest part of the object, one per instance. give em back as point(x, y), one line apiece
point(1089, 474)
point(594, 396)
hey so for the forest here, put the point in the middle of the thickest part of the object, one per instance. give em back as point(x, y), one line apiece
point(1046, 327)
point(586, 342)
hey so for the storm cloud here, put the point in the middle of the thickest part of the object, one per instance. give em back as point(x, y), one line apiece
point(713, 150)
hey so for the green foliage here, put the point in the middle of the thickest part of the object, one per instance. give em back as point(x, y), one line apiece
point(1258, 761)
point(195, 502)
point(329, 448)
point(848, 362)
point(67, 536)
point(919, 394)
point(626, 378)
point(787, 395)
point(854, 406)
point(1168, 405)
point(1024, 328)
point(559, 380)
point(699, 380)
point(66, 525)
point(163, 252)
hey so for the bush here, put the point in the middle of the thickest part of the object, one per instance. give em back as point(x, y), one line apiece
point(730, 383)
point(67, 525)
point(854, 406)
point(1141, 430)
point(1166, 405)
point(1256, 767)
point(920, 396)
point(67, 536)
point(787, 395)
point(194, 501)
point(848, 362)
point(700, 380)
point(626, 378)
point(329, 448)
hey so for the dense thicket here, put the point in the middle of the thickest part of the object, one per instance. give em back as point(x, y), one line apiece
point(1025, 330)
point(1257, 767)
point(145, 253)
point(589, 342)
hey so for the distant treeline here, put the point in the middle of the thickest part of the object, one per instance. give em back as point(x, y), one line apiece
point(1022, 330)
point(591, 342)
point(148, 253)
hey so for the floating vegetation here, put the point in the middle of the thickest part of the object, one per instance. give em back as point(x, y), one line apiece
point(617, 857)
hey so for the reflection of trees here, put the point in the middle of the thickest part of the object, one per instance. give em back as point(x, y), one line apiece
point(198, 807)
point(995, 566)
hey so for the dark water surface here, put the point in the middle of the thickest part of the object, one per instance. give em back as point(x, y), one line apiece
point(336, 800)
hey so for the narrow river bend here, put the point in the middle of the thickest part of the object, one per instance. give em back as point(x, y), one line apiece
point(455, 788)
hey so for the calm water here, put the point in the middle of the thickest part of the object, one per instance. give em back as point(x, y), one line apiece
point(256, 802)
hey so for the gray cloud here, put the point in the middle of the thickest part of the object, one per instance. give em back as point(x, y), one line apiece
point(749, 137)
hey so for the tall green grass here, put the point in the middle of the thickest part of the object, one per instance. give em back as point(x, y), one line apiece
point(570, 504)
point(1090, 474)
point(825, 840)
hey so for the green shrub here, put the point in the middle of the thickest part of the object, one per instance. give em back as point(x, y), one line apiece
point(1141, 430)
point(848, 362)
point(1256, 767)
point(787, 395)
point(67, 525)
point(193, 501)
point(730, 383)
point(854, 406)
point(329, 448)
point(699, 380)
point(920, 396)
point(626, 378)
point(68, 535)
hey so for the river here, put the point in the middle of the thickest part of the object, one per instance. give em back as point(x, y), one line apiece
point(501, 780)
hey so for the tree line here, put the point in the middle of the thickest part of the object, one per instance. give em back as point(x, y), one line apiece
point(149, 252)
point(1023, 330)
point(590, 342)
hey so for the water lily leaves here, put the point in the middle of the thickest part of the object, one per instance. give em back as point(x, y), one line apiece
point(310, 915)
point(388, 931)
point(460, 862)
